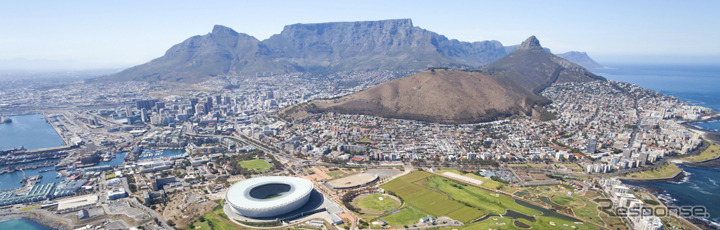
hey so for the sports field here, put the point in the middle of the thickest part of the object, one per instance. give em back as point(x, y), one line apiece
point(404, 217)
point(376, 203)
point(258, 165)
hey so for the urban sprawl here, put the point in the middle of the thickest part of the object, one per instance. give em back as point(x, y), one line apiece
point(183, 146)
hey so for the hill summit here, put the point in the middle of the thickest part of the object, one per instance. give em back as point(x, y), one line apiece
point(535, 68)
point(438, 95)
point(507, 87)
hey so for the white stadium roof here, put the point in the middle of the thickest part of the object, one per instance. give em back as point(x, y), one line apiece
point(268, 196)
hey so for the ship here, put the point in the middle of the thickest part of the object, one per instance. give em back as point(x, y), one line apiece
point(4, 119)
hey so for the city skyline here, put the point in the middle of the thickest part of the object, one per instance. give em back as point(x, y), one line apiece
point(90, 35)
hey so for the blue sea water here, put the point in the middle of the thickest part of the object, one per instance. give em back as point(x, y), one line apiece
point(31, 131)
point(22, 224)
point(700, 187)
point(699, 85)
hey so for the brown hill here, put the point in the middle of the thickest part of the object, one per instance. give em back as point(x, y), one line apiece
point(442, 96)
point(535, 68)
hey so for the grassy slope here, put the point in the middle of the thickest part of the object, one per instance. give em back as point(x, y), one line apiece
point(489, 202)
point(710, 153)
point(667, 170)
point(218, 222)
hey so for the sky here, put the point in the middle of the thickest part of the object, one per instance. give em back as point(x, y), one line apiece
point(119, 34)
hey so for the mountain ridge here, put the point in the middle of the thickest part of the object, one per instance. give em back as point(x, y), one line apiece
point(319, 47)
point(394, 44)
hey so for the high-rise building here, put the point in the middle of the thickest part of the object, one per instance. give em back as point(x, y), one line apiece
point(159, 105)
point(208, 107)
point(193, 102)
point(199, 108)
point(146, 104)
point(143, 115)
point(643, 158)
point(209, 101)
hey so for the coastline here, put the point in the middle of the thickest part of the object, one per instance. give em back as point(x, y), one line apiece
point(711, 137)
point(39, 218)
point(708, 135)
point(677, 177)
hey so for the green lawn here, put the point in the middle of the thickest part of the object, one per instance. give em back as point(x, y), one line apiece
point(589, 211)
point(710, 153)
point(407, 216)
point(364, 141)
point(411, 188)
point(667, 170)
point(494, 222)
point(544, 222)
point(373, 202)
point(218, 219)
point(336, 174)
point(258, 165)
point(404, 186)
point(425, 193)
point(567, 201)
point(29, 208)
point(490, 202)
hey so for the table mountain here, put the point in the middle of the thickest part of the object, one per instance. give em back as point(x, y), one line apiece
point(321, 47)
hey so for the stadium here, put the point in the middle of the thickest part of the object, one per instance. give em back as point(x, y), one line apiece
point(264, 197)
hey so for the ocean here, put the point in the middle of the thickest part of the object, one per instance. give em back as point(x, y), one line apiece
point(31, 131)
point(696, 84)
point(22, 224)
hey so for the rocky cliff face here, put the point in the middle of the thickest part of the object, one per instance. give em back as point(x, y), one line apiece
point(321, 47)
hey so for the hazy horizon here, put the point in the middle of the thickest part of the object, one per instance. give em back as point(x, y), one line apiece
point(100, 35)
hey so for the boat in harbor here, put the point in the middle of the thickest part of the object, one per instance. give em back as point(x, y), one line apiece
point(4, 119)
